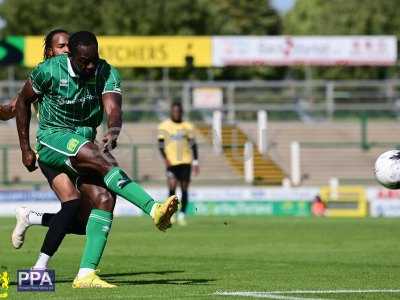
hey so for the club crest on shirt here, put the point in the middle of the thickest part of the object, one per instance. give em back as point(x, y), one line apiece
point(72, 144)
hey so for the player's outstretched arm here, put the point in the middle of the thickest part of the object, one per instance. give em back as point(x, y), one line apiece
point(112, 107)
point(7, 111)
point(24, 100)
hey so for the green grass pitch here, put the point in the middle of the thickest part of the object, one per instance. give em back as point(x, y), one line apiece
point(226, 254)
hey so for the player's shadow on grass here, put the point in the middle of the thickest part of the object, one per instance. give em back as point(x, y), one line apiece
point(142, 273)
point(185, 281)
point(110, 277)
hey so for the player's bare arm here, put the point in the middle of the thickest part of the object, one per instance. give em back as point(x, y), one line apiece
point(195, 154)
point(7, 111)
point(161, 148)
point(23, 107)
point(112, 106)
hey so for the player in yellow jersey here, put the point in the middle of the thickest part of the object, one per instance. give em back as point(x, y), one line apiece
point(177, 145)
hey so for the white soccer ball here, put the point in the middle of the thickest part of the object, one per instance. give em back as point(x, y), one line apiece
point(387, 169)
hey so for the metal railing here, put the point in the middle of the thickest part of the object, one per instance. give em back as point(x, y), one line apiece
point(141, 161)
point(242, 99)
point(354, 170)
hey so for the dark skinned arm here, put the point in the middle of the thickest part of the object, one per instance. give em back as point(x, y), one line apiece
point(7, 111)
point(23, 114)
point(195, 153)
point(161, 148)
point(112, 106)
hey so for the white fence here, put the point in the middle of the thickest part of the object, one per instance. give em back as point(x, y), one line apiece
point(305, 99)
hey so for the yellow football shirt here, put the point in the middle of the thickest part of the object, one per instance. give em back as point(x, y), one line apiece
point(176, 139)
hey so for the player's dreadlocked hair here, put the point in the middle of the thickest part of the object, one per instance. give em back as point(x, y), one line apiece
point(49, 39)
point(85, 38)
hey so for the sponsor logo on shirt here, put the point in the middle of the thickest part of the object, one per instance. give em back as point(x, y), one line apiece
point(178, 136)
point(63, 82)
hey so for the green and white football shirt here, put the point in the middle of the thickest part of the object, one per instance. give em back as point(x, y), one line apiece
point(66, 101)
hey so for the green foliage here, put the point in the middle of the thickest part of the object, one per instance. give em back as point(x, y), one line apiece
point(147, 17)
point(209, 17)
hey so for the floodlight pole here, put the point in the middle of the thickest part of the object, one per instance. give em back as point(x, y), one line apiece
point(217, 132)
point(262, 123)
point(295, 163)
point(248, 162)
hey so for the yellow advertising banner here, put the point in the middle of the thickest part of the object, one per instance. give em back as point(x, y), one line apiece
point(138, 51)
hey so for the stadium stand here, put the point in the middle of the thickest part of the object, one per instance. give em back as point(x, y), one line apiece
point(266, 171)
point(149, 167)
point(329, 149)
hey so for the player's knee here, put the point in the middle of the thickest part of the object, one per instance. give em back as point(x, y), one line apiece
point(64, 188)
point(104, 166)
point(66, 194)
point(185, 187)
point(90, 157)
point(102, 162)
point(105, 200)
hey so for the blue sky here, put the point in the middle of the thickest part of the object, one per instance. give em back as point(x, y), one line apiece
point(282, 5)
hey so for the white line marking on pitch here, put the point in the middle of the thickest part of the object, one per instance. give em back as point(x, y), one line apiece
point(281, 294)
point(263, 295)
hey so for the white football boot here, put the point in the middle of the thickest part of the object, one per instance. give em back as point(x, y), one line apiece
point(181, 219)
point(18, 234)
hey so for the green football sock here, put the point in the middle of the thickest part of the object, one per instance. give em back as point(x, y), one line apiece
point(118, 182)
point(97, 229)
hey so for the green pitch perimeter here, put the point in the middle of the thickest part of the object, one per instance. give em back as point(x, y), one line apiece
point(227, 254)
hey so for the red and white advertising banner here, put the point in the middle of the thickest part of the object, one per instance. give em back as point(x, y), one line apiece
point(383, 202)
point(304, 50)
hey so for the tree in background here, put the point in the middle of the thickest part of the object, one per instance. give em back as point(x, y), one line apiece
point(209, 17)
point(149, 17)
point(344, 17)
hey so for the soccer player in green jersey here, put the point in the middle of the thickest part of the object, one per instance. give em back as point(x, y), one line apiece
point(56, 43)
point(75, 91)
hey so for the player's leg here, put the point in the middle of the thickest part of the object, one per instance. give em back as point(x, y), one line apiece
point(90, 157)
point(58, 183)
point(27, 217)
point(50, 160)
point(171, 184)
point(97, 229)
point(171, 181)
point(184, 181)
point(64, 189)
point(64, 219)
point(184, 202)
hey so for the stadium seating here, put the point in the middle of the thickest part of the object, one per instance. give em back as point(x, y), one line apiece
point(266, 171)
point(334, 152)
point(150, 168)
